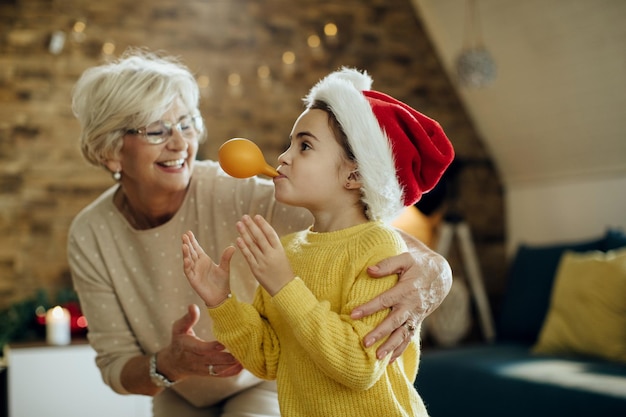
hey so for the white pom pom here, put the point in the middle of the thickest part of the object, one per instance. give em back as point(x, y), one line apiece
point(360, 80)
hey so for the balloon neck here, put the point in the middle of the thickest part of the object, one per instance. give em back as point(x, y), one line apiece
point(270, 171)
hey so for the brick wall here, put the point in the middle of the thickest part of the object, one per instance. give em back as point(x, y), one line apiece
point(44, 181)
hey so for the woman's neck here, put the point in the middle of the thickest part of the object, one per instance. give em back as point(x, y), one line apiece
point(145, 214)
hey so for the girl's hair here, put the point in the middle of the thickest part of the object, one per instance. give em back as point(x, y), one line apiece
point(340, 136)
point(335, 126)
point(129, 93)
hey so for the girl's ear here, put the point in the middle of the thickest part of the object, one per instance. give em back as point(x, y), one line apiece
point(354, 180)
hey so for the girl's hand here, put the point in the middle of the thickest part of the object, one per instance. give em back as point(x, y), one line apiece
point(260, 245)
point(210, 281)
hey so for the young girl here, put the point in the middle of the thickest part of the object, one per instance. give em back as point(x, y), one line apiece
point(355, 159)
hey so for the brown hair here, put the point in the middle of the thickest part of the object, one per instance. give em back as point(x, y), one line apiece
point(335, 126)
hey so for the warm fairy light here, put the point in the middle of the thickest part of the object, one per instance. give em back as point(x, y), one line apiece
point(203, 81)
point(289, 57)
point(79, 26)
point(108, 48)
point(234, 79)
point(313, 41)
point(263, 72)
point(234, 84)
point(265, 76)
point(330, 29)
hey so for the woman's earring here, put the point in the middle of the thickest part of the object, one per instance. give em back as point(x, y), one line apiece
point(117, 175)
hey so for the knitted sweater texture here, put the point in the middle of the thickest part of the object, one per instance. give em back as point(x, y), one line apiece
point(304, 336)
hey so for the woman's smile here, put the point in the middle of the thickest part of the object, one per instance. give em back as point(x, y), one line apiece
point(173, 163)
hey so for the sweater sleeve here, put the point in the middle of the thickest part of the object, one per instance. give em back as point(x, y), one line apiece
point(334, 340)
point(243, 329)
point(109, 333)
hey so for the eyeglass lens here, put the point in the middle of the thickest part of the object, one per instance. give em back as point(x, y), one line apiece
point(159, 132)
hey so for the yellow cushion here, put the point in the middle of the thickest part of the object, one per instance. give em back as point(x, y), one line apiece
point(587, 313)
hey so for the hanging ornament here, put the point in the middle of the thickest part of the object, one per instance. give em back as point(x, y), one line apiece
point(474, 66)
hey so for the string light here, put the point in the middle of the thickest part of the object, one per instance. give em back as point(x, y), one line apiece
point(203, 81)
point(234, 83)
point(108, 48)
point(263, 72)
point(330, 29)
point(78, 31)
point(313, 41)
point(289, 58)
point(79, 26)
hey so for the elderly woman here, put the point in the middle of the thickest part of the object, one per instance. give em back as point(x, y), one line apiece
point(140, 121)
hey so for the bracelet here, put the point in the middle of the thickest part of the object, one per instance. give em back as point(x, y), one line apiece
point(157, 378)
point(230, 295)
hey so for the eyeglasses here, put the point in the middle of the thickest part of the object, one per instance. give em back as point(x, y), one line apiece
point(159, 132)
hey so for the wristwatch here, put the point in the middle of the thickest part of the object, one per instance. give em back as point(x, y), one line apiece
point(158, 379)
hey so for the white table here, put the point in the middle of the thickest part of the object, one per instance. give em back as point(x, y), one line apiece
point(64, 381)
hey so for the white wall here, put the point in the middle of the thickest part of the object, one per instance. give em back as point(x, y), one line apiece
point(571, 210)
point(556, 107)
point(553, 120)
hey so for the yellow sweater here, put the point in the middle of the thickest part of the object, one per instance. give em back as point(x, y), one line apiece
point(305, 339)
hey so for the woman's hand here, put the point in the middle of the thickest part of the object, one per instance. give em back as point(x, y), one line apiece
point(185, 356)
point(210, 281)
point(424, 281)
point(188, 355)
point(261, 248)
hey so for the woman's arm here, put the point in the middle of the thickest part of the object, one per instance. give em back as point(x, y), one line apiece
point(122, 362)
point(424, 281)
point(186, 355)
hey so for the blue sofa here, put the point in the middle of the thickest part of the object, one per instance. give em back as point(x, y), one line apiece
point(505, 378)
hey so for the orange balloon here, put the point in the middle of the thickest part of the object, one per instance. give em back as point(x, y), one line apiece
point(242, 158)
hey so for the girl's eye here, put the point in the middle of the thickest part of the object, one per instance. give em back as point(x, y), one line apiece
point(304, 146)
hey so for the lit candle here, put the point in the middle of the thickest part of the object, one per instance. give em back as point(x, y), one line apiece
point(58, 326)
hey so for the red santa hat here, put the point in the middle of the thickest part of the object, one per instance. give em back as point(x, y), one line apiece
point(400, 152)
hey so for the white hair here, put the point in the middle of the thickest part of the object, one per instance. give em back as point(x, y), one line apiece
point(128, 93)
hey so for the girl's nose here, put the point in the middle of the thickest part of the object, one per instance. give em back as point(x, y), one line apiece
point(284, 157)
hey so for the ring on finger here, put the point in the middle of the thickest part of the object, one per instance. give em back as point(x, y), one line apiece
point(212, 371)
point(410, 326)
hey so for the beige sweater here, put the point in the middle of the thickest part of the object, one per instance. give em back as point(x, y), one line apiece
point(131, 283)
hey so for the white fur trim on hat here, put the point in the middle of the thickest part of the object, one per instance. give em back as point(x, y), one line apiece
point(342, 92)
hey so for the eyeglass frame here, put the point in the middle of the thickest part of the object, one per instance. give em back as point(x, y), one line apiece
point(195, 123)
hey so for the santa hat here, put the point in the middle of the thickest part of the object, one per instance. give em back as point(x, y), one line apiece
point(400, 152)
